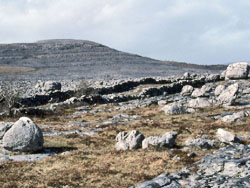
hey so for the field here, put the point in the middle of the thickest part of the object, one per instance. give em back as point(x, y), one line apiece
point(92, 161)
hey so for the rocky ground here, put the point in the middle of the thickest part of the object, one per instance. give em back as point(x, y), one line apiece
point(183, 131)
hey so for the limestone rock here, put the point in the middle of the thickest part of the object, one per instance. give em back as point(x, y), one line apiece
point(186, 75)
point(228, 95)
point(4, 127)
point(48, 86)
point(166, 140)
point(199, 103)
point(23, 136)
point(160, 181)
point(187, 90)
point(200, 143)
point(162, 102)
point(238, 70)
point(129, 141)
point(218, 90)
point(235, 117)
point(226, 137)
point(203, 91)
point(4, 158)
point(174, 109)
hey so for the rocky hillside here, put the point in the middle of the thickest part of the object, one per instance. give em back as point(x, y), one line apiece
point(79, 59)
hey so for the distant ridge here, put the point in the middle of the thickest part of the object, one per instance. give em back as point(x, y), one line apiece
point(82, 59)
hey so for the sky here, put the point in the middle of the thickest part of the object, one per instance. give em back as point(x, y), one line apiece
point(193, 31)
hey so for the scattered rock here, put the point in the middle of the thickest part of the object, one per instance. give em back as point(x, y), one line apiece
point(48, 86)
point(238, 70)
point(186, 75)
point(200, 143)
point(162, 102)
point(160, 181)
point(228, 95)
point(235, 117)
point(4, 158)
point(23, 136)
point(199, 103)
point(173, 109)
point(203, 91)
point(226, 137)
point(166, 140)
point(226, 167)
point(187, 90)
point(129, 141)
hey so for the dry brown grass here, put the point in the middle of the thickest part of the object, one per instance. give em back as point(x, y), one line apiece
point(94, 161)
point(10, 69)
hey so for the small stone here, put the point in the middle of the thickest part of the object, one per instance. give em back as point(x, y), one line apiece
point(187, 90)
point(235, 117)
point(129, 141)
point(226, 137)
point(192, 155)
point(173, 109)
point(200, 143)
point(166, 140)
point(199, 103)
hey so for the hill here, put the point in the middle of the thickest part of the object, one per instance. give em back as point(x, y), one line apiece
point(81, 59)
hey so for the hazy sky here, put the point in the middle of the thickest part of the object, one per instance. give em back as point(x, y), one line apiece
point(195, 31)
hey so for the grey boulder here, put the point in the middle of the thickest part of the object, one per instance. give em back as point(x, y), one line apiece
point(48, 86)
point(228, 95)
point(129, 141)
point(166, 140)
point(203, 91)
point(199, 103)
point(187, 90)
point(200, 143)
point(23, 136)
point(226, 137)
point(238, 70)
point(235, 117)
point(173, 108)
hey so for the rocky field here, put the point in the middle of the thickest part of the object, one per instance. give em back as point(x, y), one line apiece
point(180, 131)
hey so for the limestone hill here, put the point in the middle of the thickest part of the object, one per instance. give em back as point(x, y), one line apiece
point(80, 59)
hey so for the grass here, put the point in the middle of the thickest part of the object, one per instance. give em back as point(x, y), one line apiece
point(13, 69)
point(93, 161)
